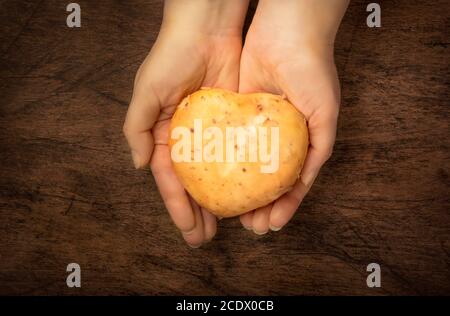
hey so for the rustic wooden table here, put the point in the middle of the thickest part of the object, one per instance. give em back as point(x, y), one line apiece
point(69, 193)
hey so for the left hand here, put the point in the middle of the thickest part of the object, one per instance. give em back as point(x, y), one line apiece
point(277, 58)
point(199, 44)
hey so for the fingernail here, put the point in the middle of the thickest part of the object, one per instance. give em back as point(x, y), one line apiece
point(136, 159)
point(260, 233)
point(247, 228)
point(274, 228)
point(194, 246)
point(307, 179)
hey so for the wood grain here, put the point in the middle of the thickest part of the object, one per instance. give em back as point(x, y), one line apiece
point(69, 193)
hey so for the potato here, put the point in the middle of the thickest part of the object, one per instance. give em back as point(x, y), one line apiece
point(236, 152)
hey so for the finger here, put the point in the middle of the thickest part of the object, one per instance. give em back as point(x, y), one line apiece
point(195, 237)
point(260, 221)
point(142, 113)
point(247, 219)
point(172, 192)
point(322, 135)
point(285, 207)
point(209, 224)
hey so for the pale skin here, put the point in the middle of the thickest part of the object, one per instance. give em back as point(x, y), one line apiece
point(288, 50)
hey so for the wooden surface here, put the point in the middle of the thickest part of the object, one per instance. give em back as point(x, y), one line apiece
point(69, 193)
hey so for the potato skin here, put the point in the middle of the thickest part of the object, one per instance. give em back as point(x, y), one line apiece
point(231, 189)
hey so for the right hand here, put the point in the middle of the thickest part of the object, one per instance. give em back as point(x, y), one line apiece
point(289, 51)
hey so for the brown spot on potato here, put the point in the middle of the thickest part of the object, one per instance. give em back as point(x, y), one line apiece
point(192, 130)
point(270, 122)
point(244, 170)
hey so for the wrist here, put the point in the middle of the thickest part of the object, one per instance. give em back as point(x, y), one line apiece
point(206, 17)
point(310, 23)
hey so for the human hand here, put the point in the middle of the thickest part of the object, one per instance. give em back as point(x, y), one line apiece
point(289, 51)
point(199, 44)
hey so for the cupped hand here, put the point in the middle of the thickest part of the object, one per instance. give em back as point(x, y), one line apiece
point(278, 58)
point(185, 57)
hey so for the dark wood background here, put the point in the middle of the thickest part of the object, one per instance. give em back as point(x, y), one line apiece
point(69, 193)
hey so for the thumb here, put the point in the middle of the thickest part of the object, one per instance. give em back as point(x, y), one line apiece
point(141, 116)
point(322, 135)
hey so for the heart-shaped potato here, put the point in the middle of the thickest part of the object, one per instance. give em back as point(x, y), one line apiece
point(236, 152)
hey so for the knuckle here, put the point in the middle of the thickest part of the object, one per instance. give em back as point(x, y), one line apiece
point(126, 130)
point(328, 153)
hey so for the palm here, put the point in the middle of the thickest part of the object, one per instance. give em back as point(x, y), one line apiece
point(211, 62)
